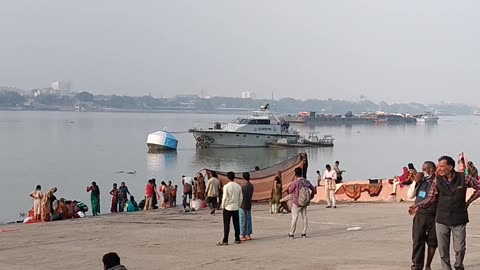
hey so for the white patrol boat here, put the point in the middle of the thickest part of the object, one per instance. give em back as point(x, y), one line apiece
point(257, 130)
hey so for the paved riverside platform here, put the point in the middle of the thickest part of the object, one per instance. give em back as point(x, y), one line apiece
point(168, 239)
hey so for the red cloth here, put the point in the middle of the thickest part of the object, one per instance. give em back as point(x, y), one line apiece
point(149, 190)
point(404, 176)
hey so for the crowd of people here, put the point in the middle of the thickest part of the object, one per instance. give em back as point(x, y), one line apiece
point(440, 209)
point(46, 207)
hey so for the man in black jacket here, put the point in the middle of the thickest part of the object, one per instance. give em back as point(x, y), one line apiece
point(423, 228)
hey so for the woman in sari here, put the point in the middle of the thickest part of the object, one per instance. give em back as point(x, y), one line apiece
point(115, 193)
point(94, 198)
point(37, 203)
point(46, 214)
point(201, 187)
point(163, 194)
point(412, 172)
point(131, 205)
point(156, 196)
point(276, 195)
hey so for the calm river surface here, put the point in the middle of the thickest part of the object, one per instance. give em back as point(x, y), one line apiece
point(69, 150)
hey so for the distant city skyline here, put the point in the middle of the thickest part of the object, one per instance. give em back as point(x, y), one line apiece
point(402, 51)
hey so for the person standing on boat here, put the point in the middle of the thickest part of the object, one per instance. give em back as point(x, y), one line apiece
point(122, 196)
point(94, 198)
point(330, 177)
point(339, 172)
point(212, 191)
point(302, 192)
point(231, 203)
point(449, 190)
point(37, 196)
point(246, 209)
point(423, 229)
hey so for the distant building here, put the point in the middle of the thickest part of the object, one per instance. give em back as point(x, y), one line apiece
point(249, 94)
point(60, 87)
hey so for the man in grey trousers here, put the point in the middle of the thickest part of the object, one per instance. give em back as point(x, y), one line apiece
point(449, 190)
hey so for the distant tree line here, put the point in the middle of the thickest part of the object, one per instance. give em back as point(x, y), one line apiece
point(192, 102)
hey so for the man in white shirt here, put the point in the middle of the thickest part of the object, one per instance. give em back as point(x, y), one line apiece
point(212, 191)
point(231, 203)
point(330, 176)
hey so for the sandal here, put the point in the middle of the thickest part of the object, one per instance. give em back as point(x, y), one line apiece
point(222, 244)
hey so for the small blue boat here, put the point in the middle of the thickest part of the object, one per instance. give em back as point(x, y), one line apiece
point(161, 141)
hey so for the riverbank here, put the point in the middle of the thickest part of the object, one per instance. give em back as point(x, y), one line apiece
point(168, 239)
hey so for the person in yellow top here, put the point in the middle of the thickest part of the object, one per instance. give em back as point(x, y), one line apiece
point(231, 203)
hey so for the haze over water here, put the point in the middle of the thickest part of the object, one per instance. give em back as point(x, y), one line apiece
point(69, 150)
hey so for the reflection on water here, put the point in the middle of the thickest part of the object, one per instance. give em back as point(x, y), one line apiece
point(242, 159)
point(156, 163)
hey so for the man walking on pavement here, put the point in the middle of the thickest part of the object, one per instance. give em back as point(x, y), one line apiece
point(302, 192)
point(231, 202)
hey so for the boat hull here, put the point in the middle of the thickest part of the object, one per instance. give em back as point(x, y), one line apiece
point(225, 139)
point(289, 145)
point(156, 148)
point(319, 144)
point(161, 141)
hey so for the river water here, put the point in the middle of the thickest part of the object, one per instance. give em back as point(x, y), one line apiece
point(69, 150)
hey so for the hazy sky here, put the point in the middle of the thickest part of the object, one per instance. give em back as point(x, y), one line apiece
point(425, 51)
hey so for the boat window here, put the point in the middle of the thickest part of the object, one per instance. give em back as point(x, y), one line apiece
point(260, 122)
point(264, 121)
point(240, 121)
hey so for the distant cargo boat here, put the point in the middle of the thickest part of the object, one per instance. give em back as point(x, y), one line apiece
point(312, 141)
point(427, 118)
point(349, 119)
point(160, 141)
